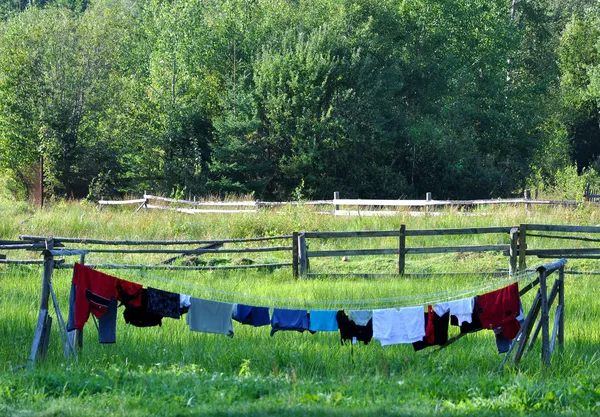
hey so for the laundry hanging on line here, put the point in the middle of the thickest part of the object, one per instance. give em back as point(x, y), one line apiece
point(98, 293)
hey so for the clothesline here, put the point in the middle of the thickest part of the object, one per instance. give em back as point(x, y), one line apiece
point(397, 301)
point(95, 293)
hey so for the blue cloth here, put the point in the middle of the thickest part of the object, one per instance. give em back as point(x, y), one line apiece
point(284, 319)
point(256, 316)
point(323, 321)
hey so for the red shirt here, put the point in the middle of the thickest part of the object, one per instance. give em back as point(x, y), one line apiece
point(500, 308)
point(95, 290)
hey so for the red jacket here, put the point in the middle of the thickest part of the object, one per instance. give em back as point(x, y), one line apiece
point(499, 309)
point(94, 290)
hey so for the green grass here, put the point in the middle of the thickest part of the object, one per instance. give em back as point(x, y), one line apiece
point(172, 371)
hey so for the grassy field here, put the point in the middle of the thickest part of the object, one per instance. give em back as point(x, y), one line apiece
point(172, 371)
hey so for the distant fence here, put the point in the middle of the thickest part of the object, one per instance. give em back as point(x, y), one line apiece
point(517, 247)
point(591, 194)
point(207, 206)
point(338, 206)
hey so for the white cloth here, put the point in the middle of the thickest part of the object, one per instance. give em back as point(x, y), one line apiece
point(392, 326)
point(184, 301)
point(462, 309)
point(360, 317)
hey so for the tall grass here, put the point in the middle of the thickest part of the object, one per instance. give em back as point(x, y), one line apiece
point(170, 370)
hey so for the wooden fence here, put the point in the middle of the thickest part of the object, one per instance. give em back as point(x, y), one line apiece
point(337, 206)
point(222, 207)
point(518, 246)
point(174, 247)
point(591, 194)
point(516, 249)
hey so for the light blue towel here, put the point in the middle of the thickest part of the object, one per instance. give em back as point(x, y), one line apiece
point(323, 321)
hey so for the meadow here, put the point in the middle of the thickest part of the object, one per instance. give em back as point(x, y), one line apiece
point(172, 371)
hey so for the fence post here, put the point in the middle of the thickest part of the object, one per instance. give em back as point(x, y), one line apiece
point(302, 258)
point(561, 303)
point(402, 250)
point(587, 192)
point(513, 251)
point(295, 254)
point(522, 247)
point(42, 331)
point(77, 335)
point(544, 319)
point(527, 196)
point(427, 198)
point(336, 196)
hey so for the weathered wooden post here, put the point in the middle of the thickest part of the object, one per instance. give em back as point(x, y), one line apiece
point(522, 247)
point(561, 305)
point(527, 327)
point(513, 251)
point(527, 196)
point(41, 336)
point(295, 254)
point(402, 250)
point(544, 319)
point(302, 254)
point(77, 335)
point(587, 192)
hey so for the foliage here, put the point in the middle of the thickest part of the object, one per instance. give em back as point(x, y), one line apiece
point(369, 98)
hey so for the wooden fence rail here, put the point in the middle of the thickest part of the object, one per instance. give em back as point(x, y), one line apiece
point(517, 249)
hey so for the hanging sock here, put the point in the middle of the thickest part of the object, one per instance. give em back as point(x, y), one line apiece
point(429, 329)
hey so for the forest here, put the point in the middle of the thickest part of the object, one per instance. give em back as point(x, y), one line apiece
point(284, 99)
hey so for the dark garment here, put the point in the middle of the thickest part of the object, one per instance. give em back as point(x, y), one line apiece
point(500, 308)
point(107, 324)
point(474, 326)
point(285, 319)
point(440, 331)
point(139, 316)
point(255, 316)
point(163, 303)
point(349, 330)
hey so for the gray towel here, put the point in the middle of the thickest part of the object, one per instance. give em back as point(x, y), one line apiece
point(210, 317)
